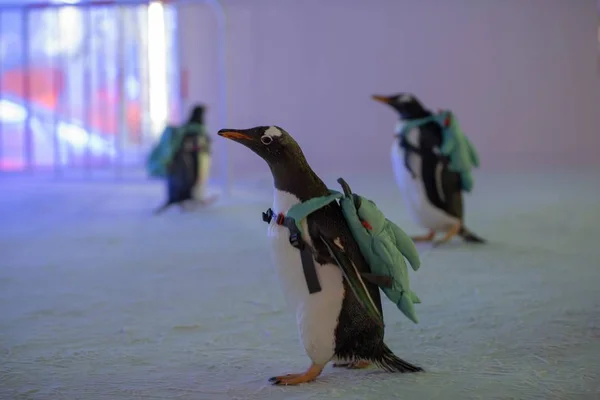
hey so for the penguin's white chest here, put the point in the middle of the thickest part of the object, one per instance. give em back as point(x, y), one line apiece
point(422, 211)
point(316, 314)
point(204, 164)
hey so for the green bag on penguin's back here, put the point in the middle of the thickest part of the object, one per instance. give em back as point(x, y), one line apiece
point(170, 141)
point(386, 248)
point(162, 153)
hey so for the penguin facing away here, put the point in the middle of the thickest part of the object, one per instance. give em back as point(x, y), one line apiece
point(432, 192)
point(332, 323)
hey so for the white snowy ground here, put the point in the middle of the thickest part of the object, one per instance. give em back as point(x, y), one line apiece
point(101, 300)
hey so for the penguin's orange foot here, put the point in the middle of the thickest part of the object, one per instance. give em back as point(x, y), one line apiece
point(353, 365)
point(206, 201)
point(295, 379)
point(187, 206)
point(453, 231)
point(424, 238)
point(359, 365)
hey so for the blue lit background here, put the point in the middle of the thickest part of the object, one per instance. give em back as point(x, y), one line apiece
point(81, 74)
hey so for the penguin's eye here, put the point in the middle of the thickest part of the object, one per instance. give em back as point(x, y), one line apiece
point(266, 140)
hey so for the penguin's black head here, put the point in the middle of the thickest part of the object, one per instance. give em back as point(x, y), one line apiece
point(406, 104)
point(290, 170)
point(197, 114)
point(271, 143)
point(285, 158)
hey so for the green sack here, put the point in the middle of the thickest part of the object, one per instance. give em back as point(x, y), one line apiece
point(385, 246)
point(170, 140)
point(456, 145)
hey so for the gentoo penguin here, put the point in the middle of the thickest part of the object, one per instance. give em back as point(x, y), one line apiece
point(187, 169)
point(182, 174)
point(431, 191)
point(332, 323)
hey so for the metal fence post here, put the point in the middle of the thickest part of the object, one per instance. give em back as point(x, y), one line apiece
point(87, 87)
point(121, 115)
point(144, 77)
point(101, 77)
point(67, 99)
point(220, 15)
point(58, 106)
point(1, 94)
point(28, 142)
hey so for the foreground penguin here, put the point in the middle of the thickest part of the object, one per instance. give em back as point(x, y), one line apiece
point(432, 189)
point(333, 324)
point(182, 158)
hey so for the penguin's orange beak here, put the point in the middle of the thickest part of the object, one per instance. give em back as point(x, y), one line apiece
point(381, 99)
point(233, 135)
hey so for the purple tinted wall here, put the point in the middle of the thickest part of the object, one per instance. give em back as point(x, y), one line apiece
point(521, 75)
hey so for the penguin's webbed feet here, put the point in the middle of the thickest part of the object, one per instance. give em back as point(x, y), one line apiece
point(206, 201)
point(295, 379)
point(453, 231)
point(187, 206)
point(354, 365)
point(424, 238)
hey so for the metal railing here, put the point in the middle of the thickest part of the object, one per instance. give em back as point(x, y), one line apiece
point(79, 90)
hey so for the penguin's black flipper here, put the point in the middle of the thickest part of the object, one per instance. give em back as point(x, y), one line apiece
point(353, 278)
point(452, 200)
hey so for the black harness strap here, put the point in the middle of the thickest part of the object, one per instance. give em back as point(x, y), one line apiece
point(410, 148)
point(308, 263)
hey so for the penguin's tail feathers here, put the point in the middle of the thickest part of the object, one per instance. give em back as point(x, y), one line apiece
point(469, 236)
point(163, 208)
point(389, 362)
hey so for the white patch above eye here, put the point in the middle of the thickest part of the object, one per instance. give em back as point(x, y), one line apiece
point(405, 98)
point(273, 131)
point(270, 133)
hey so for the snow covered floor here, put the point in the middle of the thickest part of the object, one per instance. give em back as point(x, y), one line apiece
point(101, 300)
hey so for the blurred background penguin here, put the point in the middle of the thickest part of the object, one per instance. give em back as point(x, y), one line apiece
point(182, 157)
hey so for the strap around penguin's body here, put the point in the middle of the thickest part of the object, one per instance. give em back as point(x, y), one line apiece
point(308, 263)
point(412, 149)
point(408, 150)
point(293, 221)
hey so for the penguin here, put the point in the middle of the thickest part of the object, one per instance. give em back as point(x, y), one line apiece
point(187, 172)
point(333, 324)
point(431, 191)
point(182, 175)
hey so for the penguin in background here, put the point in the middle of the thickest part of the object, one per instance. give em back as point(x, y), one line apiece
point(185, 153)
point(333, 324)
point(432, 192)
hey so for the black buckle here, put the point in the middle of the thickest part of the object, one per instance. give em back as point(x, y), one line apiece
point(267, 216)
point(296, 240)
